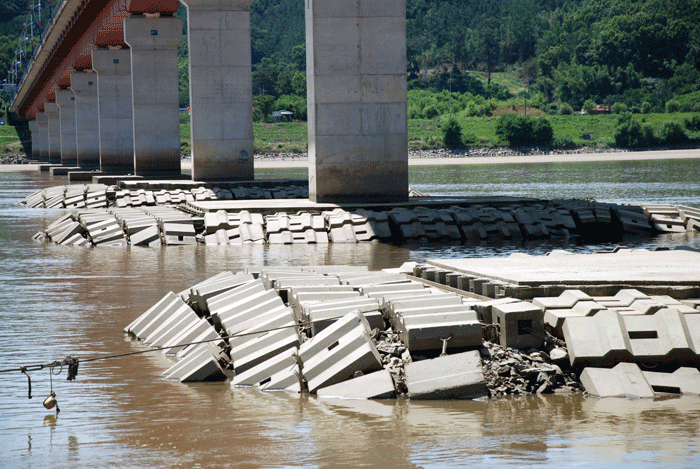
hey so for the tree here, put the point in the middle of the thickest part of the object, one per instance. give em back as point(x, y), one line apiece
point(452, 133)
point(519, 130)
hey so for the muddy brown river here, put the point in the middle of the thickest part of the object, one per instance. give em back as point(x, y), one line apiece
point(58, 301)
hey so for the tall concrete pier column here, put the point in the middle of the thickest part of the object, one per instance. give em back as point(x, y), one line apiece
point(221, 96)
point(54, 132)
point(66, 105)
point(356, 81)
point(36, 140)
point(42, 124)
point(87, 122)
point(116, 124)
point(155, 97)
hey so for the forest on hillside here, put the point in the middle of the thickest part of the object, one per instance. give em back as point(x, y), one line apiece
point(643, 54)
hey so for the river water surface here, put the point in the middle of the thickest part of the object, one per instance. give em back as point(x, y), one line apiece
point(57, 301)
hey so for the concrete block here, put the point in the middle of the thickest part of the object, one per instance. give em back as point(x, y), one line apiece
point(147, 322)
point(147, 237)
point(683, 380)
point(623, 380)
point(564, 301)
point(301, 299)
point(200, 331)
point(200, 293)
point(265, 346)
point(521, 324)
point(202, 365)
point(484, 309)
point(222, 301)
point(261, 374)
point(377, 385)
point(392, 287)
point(322, 315)
point(255, 307)
point(426, 332)
point(457, 376)
point(599, 340)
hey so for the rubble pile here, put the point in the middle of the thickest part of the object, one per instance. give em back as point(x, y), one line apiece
point(512, 371)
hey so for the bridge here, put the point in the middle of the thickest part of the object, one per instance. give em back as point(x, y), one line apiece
point(100, 92)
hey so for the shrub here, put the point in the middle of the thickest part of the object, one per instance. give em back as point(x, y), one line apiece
point(646, 107)
point(589, 105)
point(452, 133)
point(524, 130)
point(693, 123)
point(672, 106)
point(565, 109)
point(630, 133)
point(618, 108)
point(430, 112)
point(673, 134)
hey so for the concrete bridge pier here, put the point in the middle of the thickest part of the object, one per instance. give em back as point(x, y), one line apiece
point(42, 138)
point(116, 125)
point(54, 132)
point(356, 81)
point(87, 122)
point(66, 106)
point(155, 97)
point(36, 143)
point(221, 103)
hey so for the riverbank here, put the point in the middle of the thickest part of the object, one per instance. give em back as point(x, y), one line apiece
point(473, 156)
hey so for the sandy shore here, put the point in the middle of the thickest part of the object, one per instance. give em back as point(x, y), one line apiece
point(521, 159)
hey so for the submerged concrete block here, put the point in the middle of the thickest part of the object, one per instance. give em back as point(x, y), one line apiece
point(624, 380)
point(457, 376)
point(683, 380)
point(201, 365)
point(377, 385)
point(264, 347)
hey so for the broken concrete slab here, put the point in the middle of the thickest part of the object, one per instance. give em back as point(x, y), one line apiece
point(457, 376)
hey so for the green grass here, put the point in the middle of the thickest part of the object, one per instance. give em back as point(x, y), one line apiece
point(9, 140)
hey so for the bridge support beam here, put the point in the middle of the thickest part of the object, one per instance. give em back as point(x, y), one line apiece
point(116, 124)
point(155, 95)
point(42, 124)
point(87, 122)
point(36, 140)
point(221, 97)
point(54, 132)
point(356, 81)
point(66, 107)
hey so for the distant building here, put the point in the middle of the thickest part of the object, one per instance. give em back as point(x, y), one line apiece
point(282, 115)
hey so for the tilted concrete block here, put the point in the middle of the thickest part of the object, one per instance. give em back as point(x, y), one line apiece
point(263, 348)
point(599, 340)
point(149, 321)
point(664, 337)
point(457, 376)
point(200, 331)
point(322, 315)
point(200, 293)
point(239, 317)
point(624, 380)
point(377, 385)
point(261, 374)
point(339, 351)
point(201, 365)
point(303, 298)
point(224, 300)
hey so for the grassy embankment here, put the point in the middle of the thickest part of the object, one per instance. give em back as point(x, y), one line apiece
point(9, 141)
point(477, 131)
point(422, 134)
